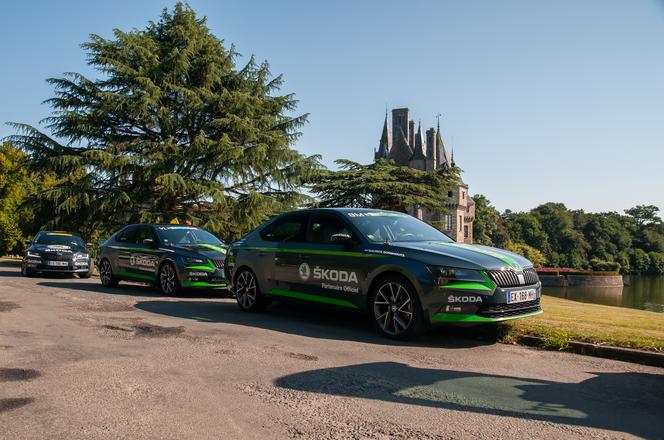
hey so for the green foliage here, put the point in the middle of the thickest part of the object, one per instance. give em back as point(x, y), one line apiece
point(525, 228)
point(604, 266)
point(488, 227)
point(15, 185)
point(171, 128)
point(639, 261)
point(382, 185)
point(534, 255)
point(656, 263)
point(644, 214)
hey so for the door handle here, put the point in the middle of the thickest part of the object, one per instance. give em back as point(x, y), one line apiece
point(262, 254)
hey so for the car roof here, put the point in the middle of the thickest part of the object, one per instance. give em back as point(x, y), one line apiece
point(342, 210)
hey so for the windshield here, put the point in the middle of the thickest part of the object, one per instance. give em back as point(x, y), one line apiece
point(186, 236)
point(381, 227)
point(59, 239)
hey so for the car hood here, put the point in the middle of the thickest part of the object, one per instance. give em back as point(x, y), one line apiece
point(466, 255)
point(205, 250)
point(56, 248)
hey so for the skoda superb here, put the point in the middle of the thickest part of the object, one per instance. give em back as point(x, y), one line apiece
point(406, 274)
point(57, 251)
point(170, 257)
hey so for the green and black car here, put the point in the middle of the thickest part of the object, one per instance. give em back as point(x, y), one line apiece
point(59, 252)
point(406, 274)
point(171, 257)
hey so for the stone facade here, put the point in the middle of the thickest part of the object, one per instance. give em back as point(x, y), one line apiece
point(426, 151)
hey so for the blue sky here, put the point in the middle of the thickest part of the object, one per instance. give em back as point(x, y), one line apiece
point(542, 101)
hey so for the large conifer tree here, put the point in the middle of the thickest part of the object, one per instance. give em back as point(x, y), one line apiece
point(171, 128)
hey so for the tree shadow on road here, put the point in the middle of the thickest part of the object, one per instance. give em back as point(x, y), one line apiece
point(625, 402)
point(129, 289)
point(306, 320)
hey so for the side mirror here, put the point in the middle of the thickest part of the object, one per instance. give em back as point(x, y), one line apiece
point(148, 241)
point(27, 242)
point(342, 239)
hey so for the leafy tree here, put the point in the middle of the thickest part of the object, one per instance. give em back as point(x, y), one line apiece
point(568, 246)
point(644, 214)
point(656, 263)
point(488, 227)
point(639, 261)
point(171, 128)
point(534, 255)
point(382, 185)
point(525, 228)
point(15, 186)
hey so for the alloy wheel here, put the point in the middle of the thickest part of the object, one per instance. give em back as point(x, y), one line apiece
point(105, 273)
point(167, 279)
point(245, 290)
point(393, 308)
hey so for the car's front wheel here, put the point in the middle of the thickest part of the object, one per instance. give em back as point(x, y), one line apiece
point(106, 274)
point(395, 309)
point(247, 293)
point(25, 271)
point(168, 279)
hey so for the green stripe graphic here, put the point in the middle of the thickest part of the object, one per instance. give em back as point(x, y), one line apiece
point(314, 298)
point(315, 252)
point(136, 275)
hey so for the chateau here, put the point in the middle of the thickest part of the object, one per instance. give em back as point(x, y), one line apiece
point(427, 152)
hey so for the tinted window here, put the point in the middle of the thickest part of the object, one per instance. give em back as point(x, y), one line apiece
point(323, 227)
point(58, 238)
point(382, 226)
point(287, 229)
point(186, 236)
point(127, 235)
point(143, 233)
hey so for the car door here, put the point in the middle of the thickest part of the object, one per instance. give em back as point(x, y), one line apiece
point(286, 237)
point(120, 250)
point(336, 270)
point(143, 257)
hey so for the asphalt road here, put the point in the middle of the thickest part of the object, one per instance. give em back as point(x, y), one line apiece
point(81, 361)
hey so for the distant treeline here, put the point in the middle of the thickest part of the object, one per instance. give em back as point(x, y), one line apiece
point(552, 235)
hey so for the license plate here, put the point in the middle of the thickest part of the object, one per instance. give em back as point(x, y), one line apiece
point(58, 263)
point(517, 296)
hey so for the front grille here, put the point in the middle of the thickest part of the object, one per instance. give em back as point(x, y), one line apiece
point(510, 278)
point(59, 256)
point(218, 262)
point(507, 310)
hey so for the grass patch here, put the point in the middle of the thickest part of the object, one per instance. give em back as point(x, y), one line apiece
point(564, 320)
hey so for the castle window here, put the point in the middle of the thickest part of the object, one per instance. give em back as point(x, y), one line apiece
point(460, 222)
point(463, 195)
point(465, 231)
point(449, 194)
point(448, 222)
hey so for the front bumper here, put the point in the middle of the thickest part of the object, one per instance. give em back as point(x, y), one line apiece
point(71, 267)
point(476, 307)
point(203, 278)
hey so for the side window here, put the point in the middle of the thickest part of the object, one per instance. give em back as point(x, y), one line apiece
point(143, 233)
point(323, 227)
point(288, 229)
point(127, 235)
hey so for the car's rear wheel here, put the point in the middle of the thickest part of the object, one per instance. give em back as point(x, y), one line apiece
point(247, 293)
point(168, 279)
point(395, 309)
point(106, 274)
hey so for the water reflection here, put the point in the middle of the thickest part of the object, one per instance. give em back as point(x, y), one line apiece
point(644, 292)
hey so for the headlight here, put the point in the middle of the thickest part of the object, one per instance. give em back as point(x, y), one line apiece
point(33, 254)
point(81, 256)
point(444, 275)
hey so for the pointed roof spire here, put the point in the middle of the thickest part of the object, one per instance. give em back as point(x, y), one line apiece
point(442, 156)
point(384, 145)
point(418, 154)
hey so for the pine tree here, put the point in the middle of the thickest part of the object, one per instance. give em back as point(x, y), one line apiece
point(172, 128)
point(383, 185)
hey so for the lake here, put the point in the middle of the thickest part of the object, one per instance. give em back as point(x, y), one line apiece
point(644, 292)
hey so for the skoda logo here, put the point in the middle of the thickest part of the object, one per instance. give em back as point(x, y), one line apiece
point(304, 271)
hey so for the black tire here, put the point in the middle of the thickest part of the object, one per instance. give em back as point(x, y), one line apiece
point(106, 274)
point(395, 309)
point(25, 271)
point(247, 292)
point(88, 274)
point(167, 279)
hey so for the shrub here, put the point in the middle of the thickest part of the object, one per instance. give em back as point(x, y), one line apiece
point(639, 261)
point(604, 266)
point(535, 256)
